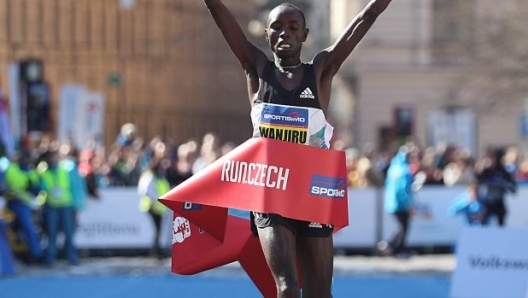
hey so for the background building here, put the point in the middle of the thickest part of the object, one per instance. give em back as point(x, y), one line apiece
point(161, 64)
point(429, 69)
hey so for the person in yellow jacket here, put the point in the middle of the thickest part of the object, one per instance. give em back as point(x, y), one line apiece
point(58, 208)
point(153, 184)
point(22, 188)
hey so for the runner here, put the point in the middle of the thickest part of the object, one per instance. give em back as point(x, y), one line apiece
point(284, 93)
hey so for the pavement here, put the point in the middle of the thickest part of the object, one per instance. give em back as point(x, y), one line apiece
point(421, 265)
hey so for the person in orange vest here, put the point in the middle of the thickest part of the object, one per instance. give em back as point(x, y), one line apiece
point(58, 208)
point(152, 185)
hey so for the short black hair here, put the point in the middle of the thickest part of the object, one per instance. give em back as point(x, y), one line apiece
point(292, 6)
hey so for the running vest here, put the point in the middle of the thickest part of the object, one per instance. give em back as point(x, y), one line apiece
point(56, 184)
point(146, 204)
point(293, 116)
point(19, 182)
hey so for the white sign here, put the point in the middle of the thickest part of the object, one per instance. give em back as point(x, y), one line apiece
point(361, 231)
point(91, 118)
point(81, 115)
point(491, 263)
point(431, 223)
point(70, 97)
point(14, 100)
point(114, 221)
point(453, 127)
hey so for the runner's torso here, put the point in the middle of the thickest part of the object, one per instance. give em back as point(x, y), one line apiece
point(293, 116)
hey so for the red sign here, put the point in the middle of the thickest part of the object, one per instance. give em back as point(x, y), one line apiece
point(263, 175)
point(271, 176)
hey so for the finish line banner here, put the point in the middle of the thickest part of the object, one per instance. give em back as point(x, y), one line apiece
point(263, 175)
point(271, 176)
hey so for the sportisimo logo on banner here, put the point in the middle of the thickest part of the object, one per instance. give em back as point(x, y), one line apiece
point(329, 187)
point(284, 123)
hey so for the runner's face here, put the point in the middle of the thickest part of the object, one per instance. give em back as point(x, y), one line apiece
point(286, 32)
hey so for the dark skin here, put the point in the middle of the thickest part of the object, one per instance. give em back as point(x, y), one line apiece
point(286, 32)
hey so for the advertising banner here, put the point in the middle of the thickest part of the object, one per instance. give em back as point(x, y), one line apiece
point(114, 222)
point(270, 176)
point(81, 115)
point(264, 175)
point(491, 263)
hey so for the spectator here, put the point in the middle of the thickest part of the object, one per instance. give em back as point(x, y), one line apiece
point(7, 266)
point(123, 167)
point(152, 185)
point(87, 171)
point(460, 171)
point(209, 152)
point(58, 209)
point(433, 175)
point(368, 175)
point(510, 159)
point(181, 170)
point(467, 205)
point(352, 158)
point(22, 188)
point(78, 186)
point(521, 175)
point(127, 135)
point(494, 183)
point(398, 202)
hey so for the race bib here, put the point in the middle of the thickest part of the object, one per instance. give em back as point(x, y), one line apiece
point(300, 125)
point(284, 123)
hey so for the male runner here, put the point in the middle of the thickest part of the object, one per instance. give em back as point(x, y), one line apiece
point(287, 85)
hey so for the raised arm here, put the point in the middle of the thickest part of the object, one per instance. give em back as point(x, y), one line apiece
point(334, 56)
point(246, 53)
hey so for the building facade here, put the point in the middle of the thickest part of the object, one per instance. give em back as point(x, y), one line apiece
point(160, 64)
point(403, 71)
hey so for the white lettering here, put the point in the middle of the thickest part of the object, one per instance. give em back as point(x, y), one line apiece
point(255, 174)
point(328, 192)
point(263, 175)
point(225, 171)
point(284, 118)
point(269, 182)
point(283, 178)
point(250, 169)
point(243, 169)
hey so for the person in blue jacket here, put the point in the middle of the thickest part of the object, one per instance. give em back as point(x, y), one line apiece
point(398, 201)
point(468, 205)
point(7, 263)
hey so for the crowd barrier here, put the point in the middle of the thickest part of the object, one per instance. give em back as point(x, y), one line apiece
point(115, 222)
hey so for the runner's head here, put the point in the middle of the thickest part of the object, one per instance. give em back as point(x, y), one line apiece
point(286, 30)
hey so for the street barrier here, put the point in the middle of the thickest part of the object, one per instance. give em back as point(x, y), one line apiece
point(491, 263)
point(115, 222)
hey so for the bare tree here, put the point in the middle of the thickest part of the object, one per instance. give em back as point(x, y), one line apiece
point(493, 49)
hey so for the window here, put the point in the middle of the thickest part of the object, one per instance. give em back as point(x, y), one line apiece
point(453, 29)
point(453, 20)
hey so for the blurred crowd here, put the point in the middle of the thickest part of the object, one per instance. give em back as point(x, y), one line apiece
point(44, 186)
point(443, 165)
